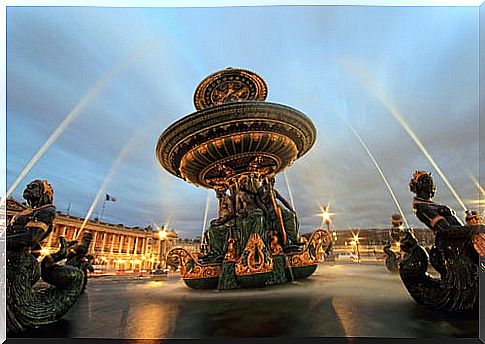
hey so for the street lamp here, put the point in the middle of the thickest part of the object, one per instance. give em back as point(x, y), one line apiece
point(355, 238)
point(325, 214)
point(162, 235)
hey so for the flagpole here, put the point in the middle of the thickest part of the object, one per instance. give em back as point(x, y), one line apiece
point(102, 210)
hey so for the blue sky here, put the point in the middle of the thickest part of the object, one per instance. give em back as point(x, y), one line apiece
point(425, 59)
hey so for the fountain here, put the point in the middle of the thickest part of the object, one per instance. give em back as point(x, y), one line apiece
point(236, 143)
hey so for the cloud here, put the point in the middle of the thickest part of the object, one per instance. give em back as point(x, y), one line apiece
point(425, 58)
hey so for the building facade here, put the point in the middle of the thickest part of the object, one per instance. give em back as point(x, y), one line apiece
point(118, 248)
point(370, 242)
point(115, 247)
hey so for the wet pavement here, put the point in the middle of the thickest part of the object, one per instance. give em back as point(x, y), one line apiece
point(341, 300)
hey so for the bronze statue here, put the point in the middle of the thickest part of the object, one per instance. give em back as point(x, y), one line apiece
point(219, 231)
point(281, 219)
point(395, 233)
point(77, 255)
point(473, 218)
point(452, 255)
point(251, 207)
point(392, 259)
point(26, 307)
point(249, 216)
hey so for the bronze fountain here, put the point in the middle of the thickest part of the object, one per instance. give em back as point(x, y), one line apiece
point(236, 143)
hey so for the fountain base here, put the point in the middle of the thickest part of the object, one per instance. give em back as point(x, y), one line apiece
point(255, 267)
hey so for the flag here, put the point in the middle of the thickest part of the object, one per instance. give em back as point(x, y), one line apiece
point(110, 198)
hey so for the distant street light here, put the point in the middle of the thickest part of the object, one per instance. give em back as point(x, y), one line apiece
point(325, 214)
point(355, 239)
point(163, 235)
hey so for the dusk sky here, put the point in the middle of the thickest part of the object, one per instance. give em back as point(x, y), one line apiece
point(424, 58)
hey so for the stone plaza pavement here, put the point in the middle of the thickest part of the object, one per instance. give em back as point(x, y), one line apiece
point(339, 300)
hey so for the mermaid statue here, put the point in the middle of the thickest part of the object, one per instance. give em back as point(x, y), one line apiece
point(454, 255)
point(28, 307)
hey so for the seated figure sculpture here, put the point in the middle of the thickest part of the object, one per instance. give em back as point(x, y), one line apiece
point(453, 254)
point(26, 307)
point(251, 208)
point(249, 215)
point(281, 219)
point(217, 235)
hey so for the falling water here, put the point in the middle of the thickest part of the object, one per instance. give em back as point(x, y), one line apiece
point(106, 180)
point(293, 206)
point(72, 115)
point(289, 190)
point(482, 191)
point(378, 92)
point(376, 164)
point(290, 269)
point(206, 213)
point(371, 156)
point(477, 184)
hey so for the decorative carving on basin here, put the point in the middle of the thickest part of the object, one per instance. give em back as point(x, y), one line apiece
point(190, 268)
point(230, 85)
point(255, 258)
point(234, 134)
point(320, 238)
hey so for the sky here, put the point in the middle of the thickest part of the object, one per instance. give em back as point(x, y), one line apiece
point(128, 73)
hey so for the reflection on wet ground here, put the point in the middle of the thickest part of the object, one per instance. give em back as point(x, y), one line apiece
point(345, 300)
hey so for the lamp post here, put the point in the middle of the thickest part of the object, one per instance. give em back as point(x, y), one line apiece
point(355, 238)
point(326, 214)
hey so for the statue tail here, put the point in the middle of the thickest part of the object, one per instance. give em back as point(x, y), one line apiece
point(27, 308)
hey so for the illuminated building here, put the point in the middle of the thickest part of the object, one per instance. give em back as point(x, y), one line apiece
point(371, 240)
point(114, 247)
